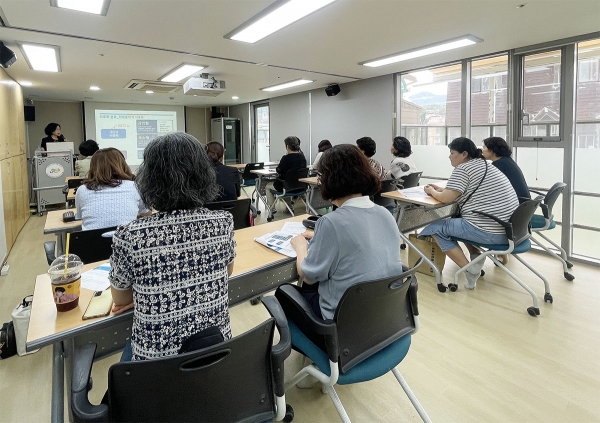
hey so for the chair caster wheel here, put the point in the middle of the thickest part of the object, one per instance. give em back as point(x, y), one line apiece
point(258, 211)
point(255, 300)
point(568, 276)
point(548, 298)
point(569, 264)
point(269, 219)
point(289, 413)
point(482, 272)
point(453, 287)
point(533, 311)
point(441, 287)
point(41, 214)
point(403, 246)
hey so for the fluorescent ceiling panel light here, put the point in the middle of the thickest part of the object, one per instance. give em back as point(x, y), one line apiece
point(181, 72)
point(290, 84)
point(452, 44)
point(235, 97)
point(97, 7)
point(149, 92)
point(25, 84)
point(94, 88)
point(278, 15)
point(41, 57)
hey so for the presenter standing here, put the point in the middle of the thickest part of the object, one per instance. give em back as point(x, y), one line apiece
point(53, 133)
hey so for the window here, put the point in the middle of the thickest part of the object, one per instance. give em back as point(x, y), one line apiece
point(489, 98)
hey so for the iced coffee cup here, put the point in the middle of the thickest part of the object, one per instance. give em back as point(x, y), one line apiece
point(66, 283)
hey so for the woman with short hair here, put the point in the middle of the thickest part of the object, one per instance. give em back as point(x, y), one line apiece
point(323, 146)
point(402, 164)
point(173, 267)
point(108, 197)
point(86, 151)
point(53, 134)
point(477, 187)
point(358, 242)
point(369, 148)
point(498, 151)
point(293, 159)
point(228, 178)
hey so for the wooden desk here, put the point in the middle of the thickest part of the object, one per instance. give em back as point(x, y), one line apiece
point(314, 200)
point(241, 166)
point(71, 195)
point(257, 270)
point(55, 225)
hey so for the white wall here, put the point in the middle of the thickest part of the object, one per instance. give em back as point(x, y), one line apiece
point(288, 115)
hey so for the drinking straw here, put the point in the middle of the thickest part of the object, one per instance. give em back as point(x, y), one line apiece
point(67, 255)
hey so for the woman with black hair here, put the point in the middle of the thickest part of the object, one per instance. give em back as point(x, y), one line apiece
point(86, 151)
point(402, 164)
point(228, 178)
point(498, 151)
point(323, 146)
point(369, 148)
point(292, 160)
point(477, 187)
point(173, 267)
point(53, 134)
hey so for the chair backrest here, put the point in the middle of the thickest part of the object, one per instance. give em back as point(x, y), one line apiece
point(91, 246)
point(74, 183)
point(520, 220)
point(228, 382)
point(411, 180)
point(386, 186)
point(372, 315)
point(291, 182)
point(239, 209)
point(252, 166)
point(552, 195)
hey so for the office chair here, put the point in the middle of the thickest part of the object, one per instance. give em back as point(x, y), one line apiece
point(249, 178)
point(410, 181)
point(292, 187)
point(239, 209)
point(545, 222)
point(518, 232)
point(370, 334)
point(386, 186)
point(91, 246)
point(238, 380)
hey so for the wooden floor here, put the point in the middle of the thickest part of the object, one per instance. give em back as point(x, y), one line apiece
point(479, 357)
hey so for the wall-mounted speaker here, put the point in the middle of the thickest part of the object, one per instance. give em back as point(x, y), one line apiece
point(7, 56)
point(332, 90)
point(29, 113)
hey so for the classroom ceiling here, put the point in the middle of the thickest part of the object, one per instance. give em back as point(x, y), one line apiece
point(145, 39)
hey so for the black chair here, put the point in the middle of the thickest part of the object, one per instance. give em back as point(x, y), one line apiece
point(249, 178)
point(239, 380)
point(91, 246)
point(410, 181)
point(369, 335)
point(545, 222)
point(292, 187)
point(518, 232)
point(386, 186)
point(239, 209)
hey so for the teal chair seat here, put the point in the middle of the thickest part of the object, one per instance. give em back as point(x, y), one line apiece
point(521, 248)
point(538, 221)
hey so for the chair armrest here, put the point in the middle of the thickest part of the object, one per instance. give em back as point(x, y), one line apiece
point(282, 350)
point(545, 211)
point(506, 225)
point(538, 192)
point(299, 311)
point(412, 294)
point(65, 190)
point(49, 247)
point(83, 410)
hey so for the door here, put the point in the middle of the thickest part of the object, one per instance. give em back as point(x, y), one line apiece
point(261, 146)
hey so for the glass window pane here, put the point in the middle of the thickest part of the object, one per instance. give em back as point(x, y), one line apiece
point(261, 114)
point(432, 160)
point(542, 167)
point(586, 243)
point(541, 93)
point(586, 211)
point(489, 97)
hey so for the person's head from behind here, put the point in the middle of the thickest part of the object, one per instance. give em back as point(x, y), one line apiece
point(324, 146)
point(292, 144)
point(401, 147)
point(88, 148)
point(462, 150)
point(52, 129)
point(345, 171)
point(367, 146)
point(107, 168)
point(176, 174)
point(495, 147)
point(215, 152)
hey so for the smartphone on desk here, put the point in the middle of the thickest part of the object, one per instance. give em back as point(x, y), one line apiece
point(99, 306)
point(310, 222)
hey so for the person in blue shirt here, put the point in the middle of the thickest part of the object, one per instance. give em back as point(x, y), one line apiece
point(498, 151)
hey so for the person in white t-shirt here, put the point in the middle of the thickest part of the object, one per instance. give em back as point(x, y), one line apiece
point(402, 164)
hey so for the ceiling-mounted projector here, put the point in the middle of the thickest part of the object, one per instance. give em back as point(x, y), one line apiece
point(206, 87)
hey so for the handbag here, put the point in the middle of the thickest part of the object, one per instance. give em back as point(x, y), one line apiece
point(20, 320)
point(8, 343)
point(458, 213)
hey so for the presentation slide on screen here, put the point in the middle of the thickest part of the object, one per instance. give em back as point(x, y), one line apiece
point(130, 131)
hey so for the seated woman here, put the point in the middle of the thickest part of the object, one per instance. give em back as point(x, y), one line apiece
point(228, 178)
point(86, 151)
point(323, 146)
point(498, 151)
point(368, 147)
point(173, 267)
point(358, 242)
point(402, 164)
point(108, 197)
point(475, 186)
point(294, 159)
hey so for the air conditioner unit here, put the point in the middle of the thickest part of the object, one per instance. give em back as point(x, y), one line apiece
point(156, 86)
point(206, 87)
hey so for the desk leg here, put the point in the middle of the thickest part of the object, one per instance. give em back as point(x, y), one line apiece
point(309, 197)
point(61, 238)
point(263, 198)
point(58, 384)
point(68, 354)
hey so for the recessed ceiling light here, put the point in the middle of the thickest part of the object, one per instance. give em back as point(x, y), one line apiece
point(40, 57)
point(94, 88)
point(97, 7)
point(278, 15)
point(195, 95)
point(25, 84)
point(181, 72)
point(285, 85)
point(235, 97)
point(149, 92)
point(520, 6)
point(463, 41)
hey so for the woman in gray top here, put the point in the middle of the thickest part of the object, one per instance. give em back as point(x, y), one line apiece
point(357, 242)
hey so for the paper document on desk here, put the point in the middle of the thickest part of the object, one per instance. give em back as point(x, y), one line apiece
point(293, 228)
point(97, 278)
point(278, 241)
point(416, 193)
